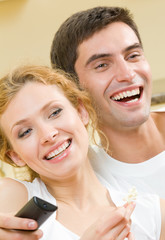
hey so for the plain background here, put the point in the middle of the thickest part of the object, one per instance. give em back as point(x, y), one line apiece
point(27, 28)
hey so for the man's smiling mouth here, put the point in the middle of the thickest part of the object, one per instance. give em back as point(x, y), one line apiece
point(57, 152)
point(128, 96)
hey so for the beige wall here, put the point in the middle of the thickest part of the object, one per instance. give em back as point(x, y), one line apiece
point(27, 28)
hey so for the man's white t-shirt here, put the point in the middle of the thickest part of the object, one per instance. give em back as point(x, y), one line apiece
point(147, 177)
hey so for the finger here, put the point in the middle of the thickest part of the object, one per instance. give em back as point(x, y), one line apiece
point(21, 235)
point(126, 204)
point(124, 233)
point(10, 222)
point(119, 232)
point(110, 220)
point(130, 236)
point(129, 209)
point(122, 230)
point(116, 220)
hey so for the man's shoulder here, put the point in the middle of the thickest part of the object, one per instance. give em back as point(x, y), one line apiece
point(159, 109)
point(158, 114)
point(159, 119)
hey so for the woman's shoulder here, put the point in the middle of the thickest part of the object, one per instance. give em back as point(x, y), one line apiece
point(13, 195)
point(9, 182)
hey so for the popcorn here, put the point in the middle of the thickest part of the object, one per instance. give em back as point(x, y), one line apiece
point(132, 195)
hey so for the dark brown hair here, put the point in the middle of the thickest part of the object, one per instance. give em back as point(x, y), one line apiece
point(81, 26)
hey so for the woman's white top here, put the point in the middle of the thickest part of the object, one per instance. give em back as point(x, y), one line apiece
point(146, 218)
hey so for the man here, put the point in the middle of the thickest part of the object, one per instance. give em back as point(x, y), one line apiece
point(103, 48)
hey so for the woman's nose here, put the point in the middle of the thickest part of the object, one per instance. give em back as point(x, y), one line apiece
point(48, 136)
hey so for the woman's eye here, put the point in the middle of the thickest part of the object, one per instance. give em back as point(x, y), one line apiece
point(24, 133)
point(55, 113)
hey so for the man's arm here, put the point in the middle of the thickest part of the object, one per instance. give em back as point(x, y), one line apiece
point(162, 207)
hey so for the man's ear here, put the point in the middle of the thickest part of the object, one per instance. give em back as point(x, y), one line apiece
point(83, 114)
point(15, 158)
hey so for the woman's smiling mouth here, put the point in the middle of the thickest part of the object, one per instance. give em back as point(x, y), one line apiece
point(57, 152)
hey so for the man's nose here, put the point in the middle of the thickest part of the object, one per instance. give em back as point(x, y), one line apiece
point(124, 71)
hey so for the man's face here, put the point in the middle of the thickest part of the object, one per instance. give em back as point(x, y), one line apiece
point(112, 66)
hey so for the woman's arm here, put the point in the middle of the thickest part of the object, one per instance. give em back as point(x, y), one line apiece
point(13, 195)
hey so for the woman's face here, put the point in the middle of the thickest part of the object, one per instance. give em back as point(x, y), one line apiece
point(46, 132)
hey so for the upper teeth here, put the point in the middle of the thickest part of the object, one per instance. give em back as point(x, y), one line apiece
point(59, 150)
point(126, 94)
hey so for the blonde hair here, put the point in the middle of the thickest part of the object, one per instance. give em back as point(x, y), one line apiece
point(12, 83)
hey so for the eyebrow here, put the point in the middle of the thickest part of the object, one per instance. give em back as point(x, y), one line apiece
point(102, 55)
point(133, 46)
point(97, 56)
point(26, 119)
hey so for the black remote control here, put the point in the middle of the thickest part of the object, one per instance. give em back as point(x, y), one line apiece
point(37, 209)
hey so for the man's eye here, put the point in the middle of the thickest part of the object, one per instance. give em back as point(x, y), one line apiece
point(101, 65)
point(55, 113)
point(134, 56)
point(24, 133)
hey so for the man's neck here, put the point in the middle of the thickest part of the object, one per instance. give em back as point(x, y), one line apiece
point(135, 145)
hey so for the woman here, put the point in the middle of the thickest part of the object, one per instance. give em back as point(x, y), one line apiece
point(44, 120)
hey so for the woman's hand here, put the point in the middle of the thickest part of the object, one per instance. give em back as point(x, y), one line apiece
point(8, 223)
point(113, 225)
